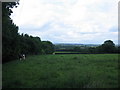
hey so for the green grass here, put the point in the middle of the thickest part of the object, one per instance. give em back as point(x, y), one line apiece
point(59, 71)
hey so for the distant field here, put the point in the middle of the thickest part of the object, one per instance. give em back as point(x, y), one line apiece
point(63, 52)
point(67, 52)
point(59, 71)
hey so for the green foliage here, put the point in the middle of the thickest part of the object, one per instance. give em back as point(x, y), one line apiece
point(108, 46)
point(118, 49)
point(77, 49)
point(30, 45)
point(47, 47)
point(62, 71)
point(9, 32)
point(13, 43)
point(92, 49)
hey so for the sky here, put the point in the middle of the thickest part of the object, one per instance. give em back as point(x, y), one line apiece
point(68, 21)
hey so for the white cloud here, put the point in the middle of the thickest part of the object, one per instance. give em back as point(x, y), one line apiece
point(71, 20)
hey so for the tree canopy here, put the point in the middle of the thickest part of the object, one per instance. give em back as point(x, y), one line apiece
point(108, 46)
point(14, 43)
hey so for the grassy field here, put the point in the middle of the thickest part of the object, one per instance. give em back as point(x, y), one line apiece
point(59, 71)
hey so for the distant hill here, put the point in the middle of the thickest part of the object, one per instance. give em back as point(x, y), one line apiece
point(62, 46)
point(75, 44)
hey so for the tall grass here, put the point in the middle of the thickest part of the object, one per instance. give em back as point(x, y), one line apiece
point(62, 71)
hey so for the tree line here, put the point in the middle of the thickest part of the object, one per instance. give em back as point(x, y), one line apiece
point(107, 47)
point(14, 43)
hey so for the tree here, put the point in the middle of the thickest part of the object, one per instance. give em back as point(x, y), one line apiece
point(77, 49)
point(47, 47)
point(118, 50)
point(92, 50)
point(13, 43)
point(30, 44)
point(108, 47)
point(9, 32)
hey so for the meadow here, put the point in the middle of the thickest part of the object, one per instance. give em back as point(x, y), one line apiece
point(62, 71)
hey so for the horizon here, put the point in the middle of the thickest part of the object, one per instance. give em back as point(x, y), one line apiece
point(83, 43)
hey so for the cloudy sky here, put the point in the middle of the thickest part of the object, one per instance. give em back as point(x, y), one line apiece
point(69, 21)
